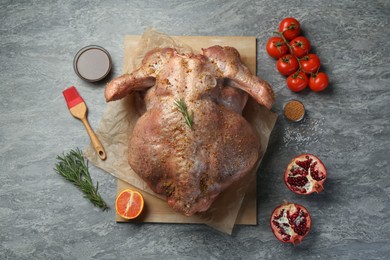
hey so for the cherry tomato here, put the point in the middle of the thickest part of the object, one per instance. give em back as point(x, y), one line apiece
point(300, 46)
point(276, 47)
point(318, 82)
point(290, 28)
point(310, 63)
point(287, 64)
point(297, 82)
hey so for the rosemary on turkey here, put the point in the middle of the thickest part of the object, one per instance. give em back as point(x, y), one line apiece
point(188, 117)
point(74, 168)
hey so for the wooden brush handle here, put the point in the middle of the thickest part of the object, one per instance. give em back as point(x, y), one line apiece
point(94, 139)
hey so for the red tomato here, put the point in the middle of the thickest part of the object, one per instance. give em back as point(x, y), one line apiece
point(290, 28)
point(310, 63)
point(297, 82)
point(276, 47)
point(318, 82)
point(287, 64)
point(300, 46)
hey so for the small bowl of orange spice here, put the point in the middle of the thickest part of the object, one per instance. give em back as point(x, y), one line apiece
point(294, 110)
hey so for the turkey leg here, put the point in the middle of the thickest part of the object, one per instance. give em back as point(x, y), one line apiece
point(227, 59)
point(140, 79)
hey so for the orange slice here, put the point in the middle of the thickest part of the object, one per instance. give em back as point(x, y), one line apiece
point(129, 204)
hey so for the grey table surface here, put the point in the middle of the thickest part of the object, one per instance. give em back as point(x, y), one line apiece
point(44, 217)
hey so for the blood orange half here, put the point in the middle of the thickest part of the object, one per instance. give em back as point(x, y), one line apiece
point(129, 204)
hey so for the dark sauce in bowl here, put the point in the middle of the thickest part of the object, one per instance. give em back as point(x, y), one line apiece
point(92, 63)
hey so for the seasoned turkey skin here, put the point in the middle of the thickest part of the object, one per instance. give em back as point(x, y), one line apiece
point(192, 164)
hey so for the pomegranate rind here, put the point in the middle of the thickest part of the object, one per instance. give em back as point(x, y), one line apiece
point(295, 238)
point(129, 200)
point(317, 185)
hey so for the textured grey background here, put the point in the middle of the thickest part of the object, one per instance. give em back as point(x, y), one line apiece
point(44, 217)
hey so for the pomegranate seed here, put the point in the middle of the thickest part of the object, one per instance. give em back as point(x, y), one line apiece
point(297, 181)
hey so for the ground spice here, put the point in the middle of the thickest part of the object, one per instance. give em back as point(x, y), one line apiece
point(294, 110)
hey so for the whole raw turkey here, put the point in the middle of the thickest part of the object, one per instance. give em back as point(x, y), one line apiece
point(192, 141)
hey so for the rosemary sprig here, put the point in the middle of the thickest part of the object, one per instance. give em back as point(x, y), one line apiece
point(74, 168)
point(188, 117)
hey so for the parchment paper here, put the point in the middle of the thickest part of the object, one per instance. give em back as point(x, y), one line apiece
point(121, 116)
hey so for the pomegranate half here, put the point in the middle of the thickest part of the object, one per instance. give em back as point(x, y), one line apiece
point(305, 174)
point(290, 223)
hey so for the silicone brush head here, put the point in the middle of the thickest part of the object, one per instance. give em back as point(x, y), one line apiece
point(75, 102)
point(72, 97)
